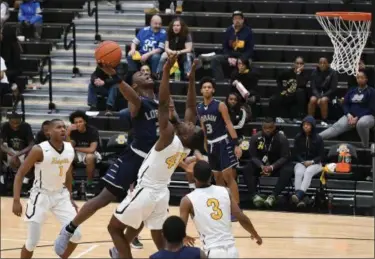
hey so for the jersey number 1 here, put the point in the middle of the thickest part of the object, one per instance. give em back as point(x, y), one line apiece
point(217, 212)
point(61, 170)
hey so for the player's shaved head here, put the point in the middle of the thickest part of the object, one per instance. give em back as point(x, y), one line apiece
point(202, 172)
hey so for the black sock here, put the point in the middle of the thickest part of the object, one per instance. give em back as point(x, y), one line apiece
point(70, 227)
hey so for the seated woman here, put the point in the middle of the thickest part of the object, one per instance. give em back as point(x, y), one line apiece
point(238, 114)
point(179, 42)
point(308, 153)
point(359, 111)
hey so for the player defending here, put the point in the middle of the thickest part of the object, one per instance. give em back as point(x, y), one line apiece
point(223, 152)
point(149, 202)
point(210, 207)
point(143, 110)
point(52, 188)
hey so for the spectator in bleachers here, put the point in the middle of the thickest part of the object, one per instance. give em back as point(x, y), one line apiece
point(85, 140)
point(249, 79)
point(17, 140)
point(238, 114)
point(352, 80)
point(30, 18)
point(291, 98)
point(308, 154)
point(359, 111)
point(179, 42)
point(11, 52)
point(4, 12)
point(104, 85)
point(151, 43)
point(324, 81)
point(145, 69)
point(43, 134)
point(4, 83)
point(162, 5)
point(270, 154)
point(238, 43)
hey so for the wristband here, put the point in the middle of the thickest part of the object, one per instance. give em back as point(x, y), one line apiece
point(235, 142)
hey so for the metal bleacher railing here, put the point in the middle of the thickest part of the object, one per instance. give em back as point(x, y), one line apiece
point(72, 43)
point(373, 176)
point(48, 77)
point(91, 12)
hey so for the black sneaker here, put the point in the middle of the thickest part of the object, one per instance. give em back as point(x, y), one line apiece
point(136, 244)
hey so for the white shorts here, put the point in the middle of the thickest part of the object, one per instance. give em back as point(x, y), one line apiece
point(144, 205)
point(40, 202)
point(81, 157)
point(222, 252)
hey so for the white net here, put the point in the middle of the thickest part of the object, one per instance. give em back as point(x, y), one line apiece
point(349, 39)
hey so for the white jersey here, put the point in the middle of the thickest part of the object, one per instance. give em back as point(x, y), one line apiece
point(212, 216)
point(158, 166)
point(50, 174)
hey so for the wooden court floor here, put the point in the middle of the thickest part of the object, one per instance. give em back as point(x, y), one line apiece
point(285, 235)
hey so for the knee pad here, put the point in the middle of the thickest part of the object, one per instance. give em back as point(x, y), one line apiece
point(76, 237)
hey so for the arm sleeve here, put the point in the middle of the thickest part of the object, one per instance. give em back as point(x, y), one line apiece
point(137, 40)
point(161, 44)
point(313, 85)
point(320, 146)
point(296, 151)
point(30, 136)
point(21, 17)
point(249, 45)
point(346, 104)
point(372, 103)
point(253, 152)
point(333, 84)
point(226, 47)
point(38, 14)
point(284, 152)
point(241, 123)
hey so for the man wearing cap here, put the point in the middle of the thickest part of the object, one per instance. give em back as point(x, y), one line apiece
point(238, 42)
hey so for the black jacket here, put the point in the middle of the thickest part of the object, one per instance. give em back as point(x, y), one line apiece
point(276, 148)
point(308, 148)
point(324, 83)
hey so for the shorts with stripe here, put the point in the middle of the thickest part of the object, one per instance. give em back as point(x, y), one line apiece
point(222, 252)
point(122, 173)
point(146, 205)
point(221, 155)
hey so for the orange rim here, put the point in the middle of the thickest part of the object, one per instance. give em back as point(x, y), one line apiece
point(347, 16)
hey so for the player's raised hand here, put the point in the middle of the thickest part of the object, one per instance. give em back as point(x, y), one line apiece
point(258, 239)
point(170, 61)
point(189, 241)
point(17, 208)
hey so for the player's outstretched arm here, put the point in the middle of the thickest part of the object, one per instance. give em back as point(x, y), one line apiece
point(232, 132)
point(191, 102)
point(35, 155)
point(244, 221)
point(166, 130)
point(126, 90)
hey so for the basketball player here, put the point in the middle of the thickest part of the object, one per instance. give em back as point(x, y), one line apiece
point(211, 207)
point(143, 110)
point(52, 188)
point(149, 203)
point(174, 232)
point(223, 152)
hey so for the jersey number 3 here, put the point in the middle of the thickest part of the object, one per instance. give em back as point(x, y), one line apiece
point(217, 212)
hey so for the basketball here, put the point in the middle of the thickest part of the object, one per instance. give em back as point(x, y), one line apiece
point(108, 53)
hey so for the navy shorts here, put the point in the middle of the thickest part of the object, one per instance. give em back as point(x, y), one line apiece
point(221, 155)
point(122, 173)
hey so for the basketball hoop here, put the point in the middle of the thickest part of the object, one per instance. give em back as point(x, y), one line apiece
point(348, 32)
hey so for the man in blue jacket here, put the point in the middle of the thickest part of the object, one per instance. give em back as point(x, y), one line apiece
point(238, 42)
point(30, 17)
point(359, 111)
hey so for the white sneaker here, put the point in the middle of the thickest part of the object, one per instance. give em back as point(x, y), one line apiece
point(324, 124)
point(113, 252)
point(61, 243)
point(280, 120)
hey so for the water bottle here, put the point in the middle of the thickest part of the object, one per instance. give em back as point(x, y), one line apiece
point(254, 132)
point(83, 190)
point(330, 206)
point(243, 91)
point(172, 8)
point(177, 75)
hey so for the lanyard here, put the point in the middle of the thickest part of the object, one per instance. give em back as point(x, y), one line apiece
point(269, 146)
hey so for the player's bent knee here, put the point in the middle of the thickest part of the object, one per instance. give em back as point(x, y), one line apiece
point(76, 237)
point(31, 243)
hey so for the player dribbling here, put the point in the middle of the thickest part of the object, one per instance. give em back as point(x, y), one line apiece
point(51, 190)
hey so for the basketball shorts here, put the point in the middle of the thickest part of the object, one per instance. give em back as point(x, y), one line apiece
point(122, 173)
point(223, 252)
point(41, 202)
point(221, 155)
point(81, 157)
point(146, 205)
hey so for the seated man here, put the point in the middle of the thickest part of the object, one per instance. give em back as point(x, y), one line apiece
point(85, 140)
point(270, 153)
point(238, 42)
point(324, 82)
point(43, 134)
point(30, 18)
point(17, 140)
point(150, 42)
point(359, 111)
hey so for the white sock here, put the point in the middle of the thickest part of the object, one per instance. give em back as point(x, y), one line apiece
point(192, 185)
point(25, 180)
point(2, 179)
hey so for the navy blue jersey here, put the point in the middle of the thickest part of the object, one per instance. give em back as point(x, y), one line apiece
point(212, 120)
point(184, 253)
point(145, 125)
